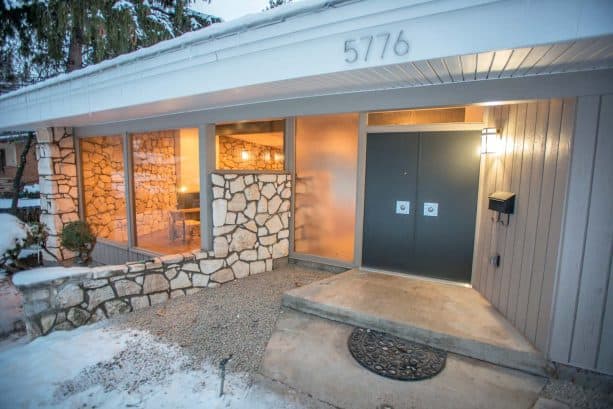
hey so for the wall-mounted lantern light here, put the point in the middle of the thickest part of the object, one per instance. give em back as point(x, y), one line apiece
point(245, 155)
point(490, 142)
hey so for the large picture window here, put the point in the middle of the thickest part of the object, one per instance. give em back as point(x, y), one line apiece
point(250, 145)
point(166, 190)
point(104, 197)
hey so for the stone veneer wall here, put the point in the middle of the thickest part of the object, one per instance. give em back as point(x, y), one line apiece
point(104, 195)
point(229, 155)
point(59, 195)
point(251, 219)
point(155, 179)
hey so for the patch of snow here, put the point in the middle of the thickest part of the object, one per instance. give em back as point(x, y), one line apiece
point(14, 232)
point(13, 4)
point(30, 251)
point(32, 188)
point(122, 5)
point(37, 275)
point(6, 203)
point(103, 367)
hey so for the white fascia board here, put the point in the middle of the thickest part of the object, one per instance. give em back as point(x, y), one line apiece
point(500, 91)
point(303, 45)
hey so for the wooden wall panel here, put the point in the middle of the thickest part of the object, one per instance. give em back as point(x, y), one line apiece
point(557, 253)
point(110, 253)
point(532, 164)
point(583, 311)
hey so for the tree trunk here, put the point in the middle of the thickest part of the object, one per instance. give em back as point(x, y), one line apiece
point(75, 49)
point(18, 175)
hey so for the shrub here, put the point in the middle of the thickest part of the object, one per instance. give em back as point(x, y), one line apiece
point(77, 237)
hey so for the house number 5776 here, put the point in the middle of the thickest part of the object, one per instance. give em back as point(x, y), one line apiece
point(375, 46)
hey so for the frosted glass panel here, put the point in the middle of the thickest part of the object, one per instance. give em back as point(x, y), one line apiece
point(326, 172)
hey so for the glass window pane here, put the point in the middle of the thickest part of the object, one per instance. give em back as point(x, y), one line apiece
point(104, 197)
point(326, 175)
point(250, 145)
point(427, 116)
point(167, 190)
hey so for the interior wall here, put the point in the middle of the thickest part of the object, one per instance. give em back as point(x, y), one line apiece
point(259, 156)
point(582, 330)
point(104, 192)
point(188, 163)
point(533, 163)
point(155, 179)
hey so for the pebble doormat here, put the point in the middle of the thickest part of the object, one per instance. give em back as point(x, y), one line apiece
point(394, 357)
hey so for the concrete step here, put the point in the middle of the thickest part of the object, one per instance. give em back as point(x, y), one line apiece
point(449, 317)
point(310, 354)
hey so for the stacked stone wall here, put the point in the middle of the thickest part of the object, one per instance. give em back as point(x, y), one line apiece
point(104, 187)
point(261, 157)
point(251, 231)
point(155, 179)
point(57, 172)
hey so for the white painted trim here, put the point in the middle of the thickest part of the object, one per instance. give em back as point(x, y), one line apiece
point(290, 167)
point(482, 164)
point(296, 42)
point(452, 126)
point(129, 194)
point(207, 156)
point(79, 165)
point(360, 190)
point(507, 89)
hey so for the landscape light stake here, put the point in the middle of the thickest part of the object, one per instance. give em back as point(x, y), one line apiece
point(222, 366)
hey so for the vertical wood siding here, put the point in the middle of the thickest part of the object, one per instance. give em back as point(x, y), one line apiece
point(109, 253)
point(582, 331)
point(533, 163)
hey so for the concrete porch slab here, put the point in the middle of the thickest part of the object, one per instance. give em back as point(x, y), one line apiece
point(450, 317)
point(310, 354)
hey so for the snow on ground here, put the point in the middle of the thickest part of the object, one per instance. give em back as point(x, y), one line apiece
point(32, 188)
point(37, 275)
point(23, 202)
point(14, 232)
point(11, 310)
point(104, 367)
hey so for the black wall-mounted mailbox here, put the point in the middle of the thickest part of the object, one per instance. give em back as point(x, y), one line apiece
point(502, 202)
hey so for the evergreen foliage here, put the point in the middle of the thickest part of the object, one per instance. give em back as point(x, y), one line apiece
point(276, 3)
point(42, 38)
point(76, 236)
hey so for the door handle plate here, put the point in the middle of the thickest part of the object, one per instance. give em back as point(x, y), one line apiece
point(403, 207)
point(430, 209)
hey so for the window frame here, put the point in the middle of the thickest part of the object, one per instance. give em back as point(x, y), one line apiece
point(206, 134)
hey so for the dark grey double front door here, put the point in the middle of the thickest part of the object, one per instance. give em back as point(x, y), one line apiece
point(420, 203)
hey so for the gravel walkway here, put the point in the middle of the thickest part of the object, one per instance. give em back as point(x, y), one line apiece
point(237, 318)
point(596, 393)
